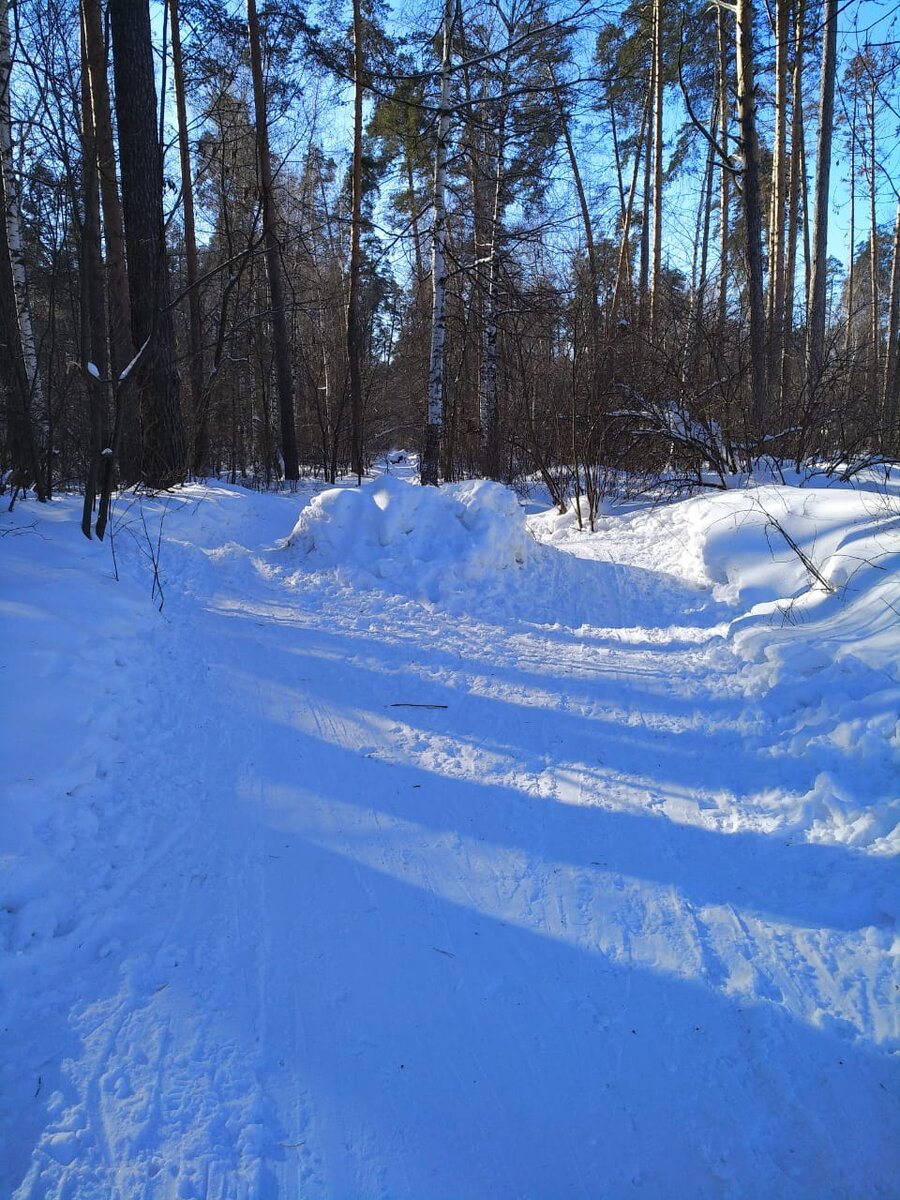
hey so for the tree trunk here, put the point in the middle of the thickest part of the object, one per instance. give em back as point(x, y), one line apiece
point(851, 269)
point(13, 339)
point(435, 412)
point(892, 352)
point(93, 309)
point(587, 224)
point(413, 218)
point(118, 299)
point(779, 195)
point(280, 339)
point(874, 288)
point(12, 214)
point(815, 350)
point(725, 178)
point(701, 255)
point(644, 261)
point(794, 196)
point(746, 98)
point(19, 429)
point(354, 333)
point(162, 434)
point(199, 396)
point(656, 257)
point(488, 402)
point(623, 266)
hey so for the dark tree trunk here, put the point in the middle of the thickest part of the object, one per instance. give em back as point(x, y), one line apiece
point(815, 353)
point(162, 432)
point(119, 301)
point(199, 396)
point(434, 417)
point(93, 308)
point(354, 338)
point(752, 196)
point(280, 339)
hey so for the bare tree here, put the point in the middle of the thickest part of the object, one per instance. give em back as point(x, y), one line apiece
point(815, 350)
point(163, 456)
point(280, 338)
point(199, 399)
point(752, 198)
point(354, 332)
point(434, 417)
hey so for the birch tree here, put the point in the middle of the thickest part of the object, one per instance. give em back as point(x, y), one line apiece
point(19, 426)
point(435, 410)
point(13, 218)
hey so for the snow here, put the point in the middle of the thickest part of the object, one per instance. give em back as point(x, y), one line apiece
point(416, 849)
point(424, 541)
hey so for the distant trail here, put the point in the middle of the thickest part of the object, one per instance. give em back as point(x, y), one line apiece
point(484, 904)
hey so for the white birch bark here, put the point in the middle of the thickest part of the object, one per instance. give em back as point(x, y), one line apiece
point(12, 216)
point(434, 418)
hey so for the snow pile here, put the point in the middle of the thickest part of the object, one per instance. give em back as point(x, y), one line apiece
point(821, 648)
point(775, 543)
point(415, 540)
point(794, 590)
point(302, 892)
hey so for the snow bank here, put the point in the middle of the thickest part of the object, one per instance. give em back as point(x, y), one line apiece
point(820, 640)
point(420, 541)
point(802, 582)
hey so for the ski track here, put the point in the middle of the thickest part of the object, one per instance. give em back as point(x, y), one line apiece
point(530, 944)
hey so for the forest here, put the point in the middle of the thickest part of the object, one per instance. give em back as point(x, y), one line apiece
point(579, 242)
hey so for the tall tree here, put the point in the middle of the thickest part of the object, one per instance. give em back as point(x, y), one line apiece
point(118, 297)
point(815, 350)
point(434, 417)
point(891, 391)
point(199, 399)
point(658, 91)
point(163, 454)
point(752, 198)
point(354, 331)
point(13, 218)
point(93, 292)
point(796, 193)
point(778, 193)
point(280, 337)
point(19, 427)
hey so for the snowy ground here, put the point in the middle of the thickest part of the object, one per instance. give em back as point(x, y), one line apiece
point(422, 855)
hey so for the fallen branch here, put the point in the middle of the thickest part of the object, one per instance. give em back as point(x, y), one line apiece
point(804, 558)
point(409, 704)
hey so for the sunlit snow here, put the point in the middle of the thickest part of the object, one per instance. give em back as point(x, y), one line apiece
point(427, 846)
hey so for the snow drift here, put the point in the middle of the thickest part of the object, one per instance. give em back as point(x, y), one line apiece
point(424, 541)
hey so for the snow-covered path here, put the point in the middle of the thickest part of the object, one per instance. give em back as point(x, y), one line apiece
point(372, 897)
